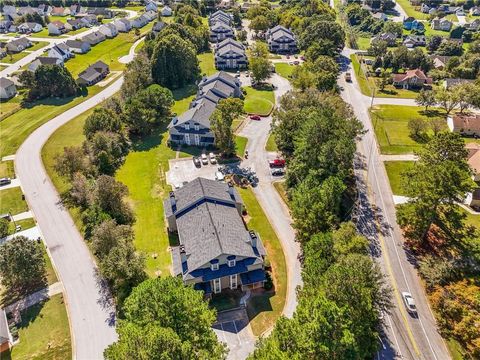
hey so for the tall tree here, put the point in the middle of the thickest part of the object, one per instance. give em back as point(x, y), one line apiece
point(109, 196)
point(221, 124)
point(51, 81)
point(426, 98)
point(102, 119)
point(447, 100)
point(137, 76)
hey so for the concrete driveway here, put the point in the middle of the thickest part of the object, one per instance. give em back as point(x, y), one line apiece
point(233, 329)
point(185, 170)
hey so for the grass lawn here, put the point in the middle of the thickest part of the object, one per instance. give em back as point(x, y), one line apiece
point(25, 224)
point(207, 63)
point(284, 69)
point(391, 127)
point(259, 102)
point(17, 127)
point(38, 45)
point(7, 169)
point(240, 144)
point(264, 310)
point(7, 108)
point(271, 145)
point(13, 58)
point(394, 172)
point(282, 190)
point(44, 332)
point(11, 201)
point(363, 43)
point(430, 32)
point(410, 10)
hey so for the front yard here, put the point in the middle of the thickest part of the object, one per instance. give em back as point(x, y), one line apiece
point(394, 171)
point(11, 201)
point(258, 102)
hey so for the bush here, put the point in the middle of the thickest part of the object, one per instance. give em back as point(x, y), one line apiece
point(269, 282)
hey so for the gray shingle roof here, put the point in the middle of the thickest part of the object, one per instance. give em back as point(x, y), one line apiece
point(200, 113)
point(4, 82)
point(228, 45)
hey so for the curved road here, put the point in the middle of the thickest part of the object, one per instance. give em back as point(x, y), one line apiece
point(89, 307)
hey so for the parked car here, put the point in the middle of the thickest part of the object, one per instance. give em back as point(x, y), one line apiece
point(277, 171)
point(409, 302)
point(255, 117)
point(204, 159)
point(5, 181)
point(296, 62)
point(219, 176)
point(197, 162)
point(277, 163)
point(213, 158)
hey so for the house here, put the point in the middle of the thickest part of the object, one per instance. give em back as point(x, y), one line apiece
point(109, 30)
point(29, 27)
point(412, 41)
point(60, 11)
point(89, 20)
point(44, 60)
point(220, 31)
point(56, 28)
point(439, 61)
point(389, 38)
point(76, 9)
point(60, 51)
point(222, 16)
point(94, 38)
point(27, 10)
point(93, 74)
point(441, 24)
point(407, 23)
point(150, 15)
point(75, 24)
point(140, 21)
point(158, 26)
point(9, 10)
point(473, 199)
point(100, 11)
point(424, 8)
point(193, 126)
point(18, 45)
point(459, 11)
point(473, 159)
point(6, 339)
point(44, 9)
point(5, 26)
point(122, 25)
point(281, 40)
point(380, 16)
point(473, 26)
point(468, 125)
point(77, 46)
point(230, 54)
point(151, 6)
point(3, 53)
point(166, 11)
point(452, 82)
point(7, 89)
point(216, 250)
point(475, 11)
point(411, 79)
point(417, 25)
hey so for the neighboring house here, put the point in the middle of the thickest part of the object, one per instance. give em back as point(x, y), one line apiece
point(473, 26)
point(418, 25)
point(3, 53)
point(151, 6)
point(167, 11)
point(389, 38)
point(441, 24)
point(27, 10)
point(473, 159)
point(407, 23)
point(439, 61)
point(7, 91)
point(18, 45)
point(76, 9)
point(452, 82)
point(60, 11)
point(89, 20)
point(150, 15)
point(412, 79)
point(9, 10)
point(98, 11)
point(5, 25)
point(193, 126)
point(109, 30)
point(158, 26)
point(56, 28)
point(459, 11)
point(380, 16)
point(475, 11)
point(473, 199)
point(220, 31)
point(216, 250)
point(468, 125)
point(412, 41)
point(77, 46)
point(94, 38)
point(44, 60)
point(93, 74)
point(281, 40)
point(122, 25)
point(29, 27)
point(6, 339)
point(222, 16)
point(230, 54)
point(60, 51)
point(75, 24)
point(140, 21)
point(44, 9)
point(424, 8)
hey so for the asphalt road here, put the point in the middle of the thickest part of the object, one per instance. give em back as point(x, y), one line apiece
point(89, 306)
point(407, 337)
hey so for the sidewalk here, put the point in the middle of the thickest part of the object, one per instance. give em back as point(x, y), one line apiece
point(35, 298)
point(405, 157)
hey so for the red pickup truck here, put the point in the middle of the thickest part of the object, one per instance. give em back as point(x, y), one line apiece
point(277, 163)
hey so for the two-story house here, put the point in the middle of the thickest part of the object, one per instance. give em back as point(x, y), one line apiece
point(7, 88)
point(222, 16)
point(60, 51)
point(281, 40)
point(468, 125)
point(18, 45)
point(216, 250)
point(230, 54)
point(441, 24)
point(56, 28)
point(123, 25)
point(220, 31)
point(109, 30)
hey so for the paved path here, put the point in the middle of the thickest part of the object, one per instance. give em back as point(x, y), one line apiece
point(90, 308)
point(13, 184)
point(127, 58)
point(35, 298)
point(403, 157)
point(33, 234)
point(22, 216)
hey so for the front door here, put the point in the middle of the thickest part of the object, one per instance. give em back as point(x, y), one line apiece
point(217, 287)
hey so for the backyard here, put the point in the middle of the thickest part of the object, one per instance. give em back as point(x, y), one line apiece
point(258, 101)
point(391, 127)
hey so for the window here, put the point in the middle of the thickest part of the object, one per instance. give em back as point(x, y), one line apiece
point(231, 263)
point(187, 126)
point(233, 281)
point(197, 127)
point(214, 266)
point(217, 287)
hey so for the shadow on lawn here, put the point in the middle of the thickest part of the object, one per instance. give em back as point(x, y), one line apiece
point(148, 142)
point(259, 302)
point(29, 315)
point(54, 101)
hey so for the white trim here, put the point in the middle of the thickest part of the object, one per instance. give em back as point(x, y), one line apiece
point(217, 286)
point(233, 281)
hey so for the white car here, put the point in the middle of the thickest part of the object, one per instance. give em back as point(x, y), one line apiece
point(219, 176)
point(213, 158)
point(409, 302)
point(204, 159)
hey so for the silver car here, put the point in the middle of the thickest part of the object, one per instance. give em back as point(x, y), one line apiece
point(409, 302)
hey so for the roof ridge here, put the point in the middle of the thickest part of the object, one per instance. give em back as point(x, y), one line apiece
point(210, 215)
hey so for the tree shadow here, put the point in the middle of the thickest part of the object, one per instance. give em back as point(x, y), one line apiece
point(259, 302)
point(173, 239)
point(106, 299)
point(55, 101)
point(29, 315)
point(431, 113)
point(421, 138)
point(184, 92)
point(150, 141)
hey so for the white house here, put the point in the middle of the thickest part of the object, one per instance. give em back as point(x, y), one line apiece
point(7, 89)
point(167, 11)
point(29, 27)
point(60, 51)
point(56, 28)
point(123, 25)
point(109, 30)
point(44, 60)
point(151, 6)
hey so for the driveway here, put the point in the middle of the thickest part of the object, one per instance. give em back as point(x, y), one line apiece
point(185, 170)
point(232, 328)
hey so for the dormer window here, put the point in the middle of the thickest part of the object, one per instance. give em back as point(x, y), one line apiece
point(231, 263)
point(197, 127)
point(187, 126)
point(214, 266)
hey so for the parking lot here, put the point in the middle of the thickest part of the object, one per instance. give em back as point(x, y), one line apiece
point(232, 328)
point(185, 170)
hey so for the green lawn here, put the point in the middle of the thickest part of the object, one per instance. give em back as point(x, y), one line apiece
point(11, 201)
point(240, 144)
point(7, 108)
point(391, 127)
point(363, 43)
point(284, 69)
point(271, 144)
point(7, 169)
point(13, 58)
point(410, 10)
point(430, 32)
point(265, 309)
point(44, 332)
point(394, 172)
point(207, 63)
point(25, 224)
point(16, 128)
point(38, 45)
point(282, 190)
point(259, 102)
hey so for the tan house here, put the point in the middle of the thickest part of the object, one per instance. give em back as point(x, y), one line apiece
point(216, 250)
point(411, 79)
point(468, 125)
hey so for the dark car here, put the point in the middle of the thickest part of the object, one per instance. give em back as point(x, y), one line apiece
point(196, 161)
point(255, 117)
point(278, 171)
point(5, 181)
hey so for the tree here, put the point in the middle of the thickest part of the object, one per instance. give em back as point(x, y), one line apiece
point(51, 81)
point(137, 76)
point(426, 98)
point(436, 125)
point(4, 225)
point(378, 48)
point(468, 95)
point(259, 23)
point(417, 128)
point(165, 305)
point(258, 61)
point(22, 265)
point(329, 36)
point(107, 235)
point(450, 48)
point(81, 191)
point(109, 195)
point(102, 119)
point(221, 124)
point(393, 27)
point(447, 100)
point(434, 43)
point(174, 62)
point(71, 161)
point(107, 151)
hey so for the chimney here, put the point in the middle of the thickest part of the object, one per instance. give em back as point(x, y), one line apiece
point(231, 189)
point(173, 201)
point(183, 254)
point(253, 238)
